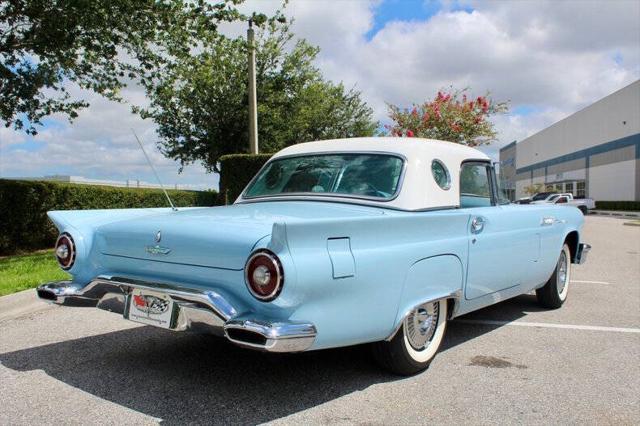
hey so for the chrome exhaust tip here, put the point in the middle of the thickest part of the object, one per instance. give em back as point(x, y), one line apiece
point(64, 293)
point(271, 336)
point(56, 291)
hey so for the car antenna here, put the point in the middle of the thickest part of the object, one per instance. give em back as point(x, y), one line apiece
point(166, 194)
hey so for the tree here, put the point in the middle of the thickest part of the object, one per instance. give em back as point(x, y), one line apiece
point(534, 189)
point(450, 116)
point(200, 102)
point(100, 45)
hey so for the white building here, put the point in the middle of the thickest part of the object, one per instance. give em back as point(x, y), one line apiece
point(593, 153)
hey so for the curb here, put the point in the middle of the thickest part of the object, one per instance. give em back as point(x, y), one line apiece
point(23, 303)
point(622, 214)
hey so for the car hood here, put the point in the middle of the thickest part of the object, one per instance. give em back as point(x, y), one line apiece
point(217, 237)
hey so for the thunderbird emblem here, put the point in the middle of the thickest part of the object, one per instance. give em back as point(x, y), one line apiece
point(157, 249)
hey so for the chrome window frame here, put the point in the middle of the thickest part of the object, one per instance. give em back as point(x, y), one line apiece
point(284, 195)
point(490, 175)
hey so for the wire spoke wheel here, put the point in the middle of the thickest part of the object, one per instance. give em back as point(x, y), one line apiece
point(420, 325)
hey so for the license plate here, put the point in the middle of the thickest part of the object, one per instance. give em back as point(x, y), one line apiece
point(150, 307)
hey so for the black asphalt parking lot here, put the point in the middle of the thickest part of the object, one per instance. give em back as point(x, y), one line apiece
point(510, 363)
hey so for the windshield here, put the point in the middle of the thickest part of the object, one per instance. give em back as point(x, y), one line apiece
point(374, 176)
point(541, 196)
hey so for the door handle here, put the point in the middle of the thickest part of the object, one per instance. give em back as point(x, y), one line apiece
point(477, 225)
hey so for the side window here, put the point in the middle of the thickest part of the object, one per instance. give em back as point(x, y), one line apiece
point(475, 186)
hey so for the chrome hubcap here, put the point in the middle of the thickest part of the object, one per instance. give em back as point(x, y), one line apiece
point(420, 325)
point(562, 272)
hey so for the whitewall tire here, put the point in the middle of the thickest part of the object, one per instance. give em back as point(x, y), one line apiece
point(417, 341)
point(555, 291)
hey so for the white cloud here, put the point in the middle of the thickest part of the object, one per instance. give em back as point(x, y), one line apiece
point(552, 57)
point(10, 137)
point(556, 57)
point(100, 145)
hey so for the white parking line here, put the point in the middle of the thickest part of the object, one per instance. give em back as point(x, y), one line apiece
point(551, 325)
point(590, 282)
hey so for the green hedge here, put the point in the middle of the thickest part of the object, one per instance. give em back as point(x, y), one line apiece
point(24, 204)
point(236, 170)
point(618, 205)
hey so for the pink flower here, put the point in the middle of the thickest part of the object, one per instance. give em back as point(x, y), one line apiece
point(409, 134)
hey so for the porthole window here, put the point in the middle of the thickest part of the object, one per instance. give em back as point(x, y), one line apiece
point(441, 174)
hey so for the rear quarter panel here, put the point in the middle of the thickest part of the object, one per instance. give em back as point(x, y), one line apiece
point(399, 259)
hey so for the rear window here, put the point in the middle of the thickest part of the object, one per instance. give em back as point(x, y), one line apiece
point(375, 176)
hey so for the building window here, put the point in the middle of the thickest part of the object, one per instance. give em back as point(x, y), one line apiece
point(558, 187)
point(568, 187)
point(580, 190)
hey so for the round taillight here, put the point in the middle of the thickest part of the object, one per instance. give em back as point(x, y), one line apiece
point(263, 275)
point(65, 251)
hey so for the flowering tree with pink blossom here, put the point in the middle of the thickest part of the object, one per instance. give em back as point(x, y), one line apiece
point(451, 116)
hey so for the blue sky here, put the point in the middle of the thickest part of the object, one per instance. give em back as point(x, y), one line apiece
point(408, 11)
point(547, 58)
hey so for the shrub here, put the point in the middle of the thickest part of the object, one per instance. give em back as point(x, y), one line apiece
point(618, 205)
point(24, 204)
point(236, 171)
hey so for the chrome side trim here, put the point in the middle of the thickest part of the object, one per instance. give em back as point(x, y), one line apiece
point(197, 310)
point(455, 295)
point(581, 254)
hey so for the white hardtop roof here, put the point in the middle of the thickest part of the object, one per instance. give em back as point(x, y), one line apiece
point(418, 190)
point(408, 147)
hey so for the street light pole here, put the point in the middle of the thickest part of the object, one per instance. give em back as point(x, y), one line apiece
point(253, 102)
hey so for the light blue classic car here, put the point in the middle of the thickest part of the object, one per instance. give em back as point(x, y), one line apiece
point(333, 243)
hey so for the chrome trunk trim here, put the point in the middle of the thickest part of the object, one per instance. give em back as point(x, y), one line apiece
point(197, 310)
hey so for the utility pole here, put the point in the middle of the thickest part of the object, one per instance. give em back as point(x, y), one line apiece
point(253, 102)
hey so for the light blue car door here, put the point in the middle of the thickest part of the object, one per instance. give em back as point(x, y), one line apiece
point(501, 243)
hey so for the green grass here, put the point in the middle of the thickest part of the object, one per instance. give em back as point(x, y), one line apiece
point(19, 273)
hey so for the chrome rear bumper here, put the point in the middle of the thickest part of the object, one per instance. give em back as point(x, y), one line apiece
point(581, 255)
point(197, 310)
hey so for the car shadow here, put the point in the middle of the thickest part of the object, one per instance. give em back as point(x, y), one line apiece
point(191, 378)
point(459, 332)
